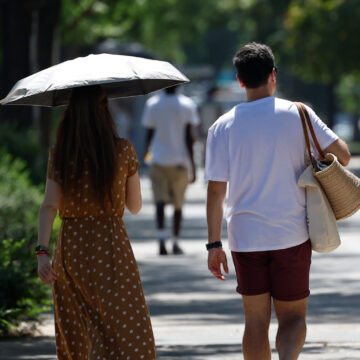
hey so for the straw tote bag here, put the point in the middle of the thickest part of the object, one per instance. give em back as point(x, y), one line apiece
point(341, 187)
point(321, 221)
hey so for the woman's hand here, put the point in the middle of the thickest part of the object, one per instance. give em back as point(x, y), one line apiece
point(46, 272)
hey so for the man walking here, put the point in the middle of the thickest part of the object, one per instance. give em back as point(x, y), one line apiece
point(258, 148)
point(169, 118)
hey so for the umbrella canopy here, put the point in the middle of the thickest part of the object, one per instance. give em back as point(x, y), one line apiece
point(120, 76)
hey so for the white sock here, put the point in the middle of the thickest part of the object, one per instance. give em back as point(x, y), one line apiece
point(162, 234)
point(175, 240)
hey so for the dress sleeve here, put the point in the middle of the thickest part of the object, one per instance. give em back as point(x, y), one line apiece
point(132, 159)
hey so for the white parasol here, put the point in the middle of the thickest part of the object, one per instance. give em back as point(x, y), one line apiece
point(119, 75)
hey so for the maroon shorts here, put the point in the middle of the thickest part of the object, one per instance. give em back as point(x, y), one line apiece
point(283, 273)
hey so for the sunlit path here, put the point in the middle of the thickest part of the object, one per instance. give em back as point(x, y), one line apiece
point(195, 316)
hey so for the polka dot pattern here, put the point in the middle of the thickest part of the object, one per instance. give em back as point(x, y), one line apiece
point(82, 203)
point(99, 305)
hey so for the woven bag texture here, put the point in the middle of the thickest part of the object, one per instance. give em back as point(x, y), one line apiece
point(342, 188)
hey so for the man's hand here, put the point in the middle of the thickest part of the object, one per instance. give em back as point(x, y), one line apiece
point(46, 272)
point(217, 257)
point(148, 138)
point(193, 174)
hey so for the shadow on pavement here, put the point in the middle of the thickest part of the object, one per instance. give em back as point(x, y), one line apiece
point(28, 349)
point(223, 351)
point(215, 351)
point(334, 307)
point(180, 287)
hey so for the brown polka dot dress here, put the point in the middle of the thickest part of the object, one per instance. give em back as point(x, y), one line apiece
point(99, 305)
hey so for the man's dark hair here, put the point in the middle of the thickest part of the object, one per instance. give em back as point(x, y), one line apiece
point(171, 90)
point(254, 62)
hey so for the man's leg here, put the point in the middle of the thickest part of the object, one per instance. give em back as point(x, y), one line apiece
point(257, 310)
point(160, 221)
point(292, 328)
point(160, 188)
point(160, 215)
point(179, 182)
point(290, 270)
point(176, 231)
point(177, 221)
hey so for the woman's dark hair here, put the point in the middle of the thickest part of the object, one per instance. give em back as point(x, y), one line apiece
point(254, 62)
point(86, 134)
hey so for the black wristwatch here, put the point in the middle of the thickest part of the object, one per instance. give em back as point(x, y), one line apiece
point(214, 245)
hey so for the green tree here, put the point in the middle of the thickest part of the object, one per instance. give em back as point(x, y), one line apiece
point(164, 26)
point(321, 41)
point(28, 30)
point(323, 36)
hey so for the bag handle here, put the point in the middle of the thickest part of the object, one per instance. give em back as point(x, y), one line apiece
point(306, 124)
point(309, 124)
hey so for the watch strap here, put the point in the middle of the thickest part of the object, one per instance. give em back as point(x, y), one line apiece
point(214, 245)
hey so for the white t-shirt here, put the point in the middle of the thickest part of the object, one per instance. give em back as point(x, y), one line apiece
point(168, 115)
point(258, 147)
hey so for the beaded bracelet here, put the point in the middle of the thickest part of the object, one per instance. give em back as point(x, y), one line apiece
point(41, 250)
point(42, 253)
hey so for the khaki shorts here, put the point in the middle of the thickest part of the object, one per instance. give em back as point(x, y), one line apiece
point(169, 184)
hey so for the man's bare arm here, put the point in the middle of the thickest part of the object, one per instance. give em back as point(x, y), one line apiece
point(189, 141)
point(215, 210)
point(148, 138)
point(341, 150)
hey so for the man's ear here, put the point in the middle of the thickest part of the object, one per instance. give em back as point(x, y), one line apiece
point(239, 81)
point(272, 76)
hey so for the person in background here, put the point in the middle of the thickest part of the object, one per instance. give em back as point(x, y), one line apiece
point(258, 148)
point(99, 305)
point(121, 116)
point(169, 118)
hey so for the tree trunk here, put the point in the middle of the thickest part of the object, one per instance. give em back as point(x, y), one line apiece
point(48, 15)
point(16, 29)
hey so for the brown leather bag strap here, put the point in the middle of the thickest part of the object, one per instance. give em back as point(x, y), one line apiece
point(306, 134)
point(312, 132)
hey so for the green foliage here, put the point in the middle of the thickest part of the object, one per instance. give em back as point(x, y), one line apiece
point(354, 147)
point(348, 93)
point(164, 26)
point(316, 38)
point(24, 144)
point(322, 38)
point(22, 294)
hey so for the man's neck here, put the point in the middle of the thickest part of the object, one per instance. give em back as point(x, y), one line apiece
point(258, 93)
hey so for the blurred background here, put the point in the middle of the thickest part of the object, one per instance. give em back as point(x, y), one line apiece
point(315, 43)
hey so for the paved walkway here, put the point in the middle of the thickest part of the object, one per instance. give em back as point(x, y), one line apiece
point(195, 316)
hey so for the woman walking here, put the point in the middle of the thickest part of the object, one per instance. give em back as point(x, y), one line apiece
point(100, 310)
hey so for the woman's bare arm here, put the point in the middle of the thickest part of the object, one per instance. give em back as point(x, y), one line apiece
point(133, 199)
point(48, 211)
point(47, 214)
